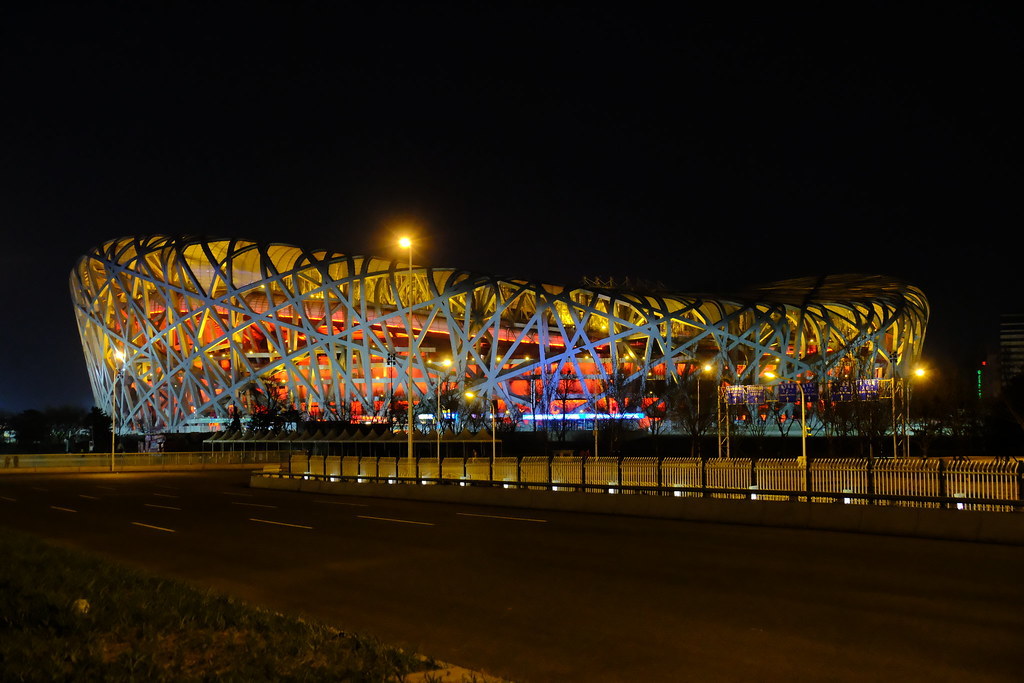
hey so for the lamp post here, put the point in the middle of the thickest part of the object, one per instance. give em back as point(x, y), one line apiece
point(447, 363)
point(919, 372)
point(803, 414)
point(391, 390)
point(494, 442)
point(406, 243)
point(707, 367)
point(803, 431)
point(119, 358)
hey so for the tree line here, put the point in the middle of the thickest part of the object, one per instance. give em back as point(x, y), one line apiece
point(945, 417)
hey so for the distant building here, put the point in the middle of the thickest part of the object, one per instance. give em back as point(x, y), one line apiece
point(1011, 346)
point(186, 331)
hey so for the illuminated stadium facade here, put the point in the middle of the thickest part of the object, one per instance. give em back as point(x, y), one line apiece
point(178, 329)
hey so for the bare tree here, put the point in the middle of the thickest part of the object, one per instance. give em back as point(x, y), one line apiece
point(693, 405)
point(620, 396)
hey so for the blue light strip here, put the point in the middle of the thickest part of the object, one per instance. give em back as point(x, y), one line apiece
point(584, 416)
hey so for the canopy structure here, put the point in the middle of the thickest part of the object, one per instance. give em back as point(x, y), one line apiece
point(177, 328)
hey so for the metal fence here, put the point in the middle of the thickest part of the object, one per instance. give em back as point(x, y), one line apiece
point(989, 485)
point(965, 485)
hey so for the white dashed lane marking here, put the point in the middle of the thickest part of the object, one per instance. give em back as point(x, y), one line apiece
point(269, 521)
point(400, 521)
point(157, 528)
point(516, 519)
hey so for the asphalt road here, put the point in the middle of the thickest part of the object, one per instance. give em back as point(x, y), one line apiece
point(537, 596)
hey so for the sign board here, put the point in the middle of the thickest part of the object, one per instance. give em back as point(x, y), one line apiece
point(867, 389)
point(734, 395)
point(841, 391)
point(789, 392)
point(754, 393)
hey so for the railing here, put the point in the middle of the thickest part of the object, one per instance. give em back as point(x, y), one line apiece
point(965, 485)
point(122, 461)
point(994, 485)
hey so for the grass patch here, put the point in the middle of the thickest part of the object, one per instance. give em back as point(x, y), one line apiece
point(66, 615)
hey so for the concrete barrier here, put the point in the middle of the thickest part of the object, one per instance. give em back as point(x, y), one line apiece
point(953, 525)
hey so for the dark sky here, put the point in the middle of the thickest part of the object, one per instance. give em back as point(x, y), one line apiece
point(546, 140)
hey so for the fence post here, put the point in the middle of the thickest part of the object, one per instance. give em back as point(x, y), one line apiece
point(1020, 481)
point(660, 479)
point(871, 482)
point(942, 484)
point(807, 478)
point(703, 477)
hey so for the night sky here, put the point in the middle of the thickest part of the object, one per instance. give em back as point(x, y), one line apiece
point(542, 140)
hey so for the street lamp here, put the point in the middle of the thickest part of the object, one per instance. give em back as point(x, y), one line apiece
point(406, 243)
point(494, 441)
point(919, 373)
point(707, 367)
point(447, 363)
point(118, 372)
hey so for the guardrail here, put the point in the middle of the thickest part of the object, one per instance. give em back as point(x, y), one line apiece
point(993, 486)
point(94, 462)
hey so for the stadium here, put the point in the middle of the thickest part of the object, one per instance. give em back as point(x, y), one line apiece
point(185, 332)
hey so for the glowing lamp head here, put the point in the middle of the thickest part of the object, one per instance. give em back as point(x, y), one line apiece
point(405, 243)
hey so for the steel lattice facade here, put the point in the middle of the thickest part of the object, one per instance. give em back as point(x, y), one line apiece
point(197, 326)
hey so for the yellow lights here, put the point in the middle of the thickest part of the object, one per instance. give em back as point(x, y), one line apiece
point(920, 372)
point(343, 311)
point(470, 395)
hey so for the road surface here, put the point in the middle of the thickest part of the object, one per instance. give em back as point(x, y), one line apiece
point(543, 596)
